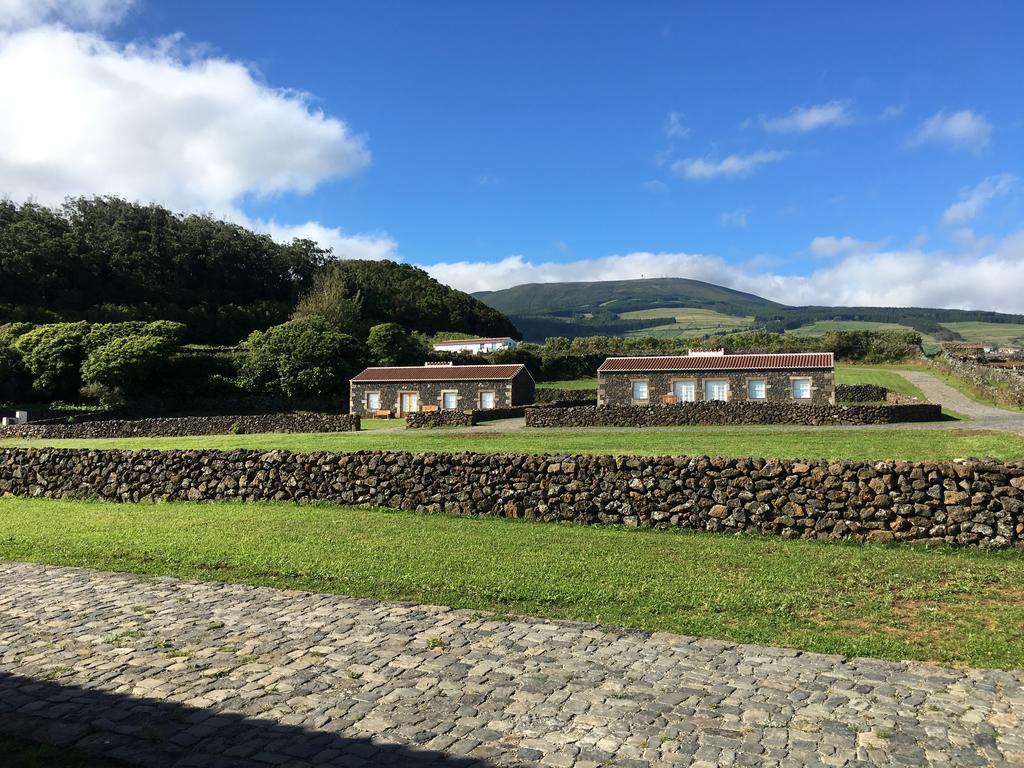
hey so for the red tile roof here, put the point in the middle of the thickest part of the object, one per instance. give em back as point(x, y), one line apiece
point(472, 341)
point(440, 373)
point(719, 363)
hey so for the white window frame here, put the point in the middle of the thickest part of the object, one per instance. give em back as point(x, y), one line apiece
point(708, 383)
point(764, 389)
point(799, 380)
point(369, 396)
point(647, 390)
point(444, 393)
point(494, 400)
point(693, 390)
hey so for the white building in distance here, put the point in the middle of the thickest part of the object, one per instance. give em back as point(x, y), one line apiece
point(476, 346)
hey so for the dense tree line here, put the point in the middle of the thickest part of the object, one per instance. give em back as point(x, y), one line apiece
point(104, 259)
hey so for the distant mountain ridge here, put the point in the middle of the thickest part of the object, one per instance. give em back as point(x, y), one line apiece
point(566, 299)
point(597, 308)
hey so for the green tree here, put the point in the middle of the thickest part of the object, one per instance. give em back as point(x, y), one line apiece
point(53, 354)
point(302, 357)
point(124, 366)
point(390, 344)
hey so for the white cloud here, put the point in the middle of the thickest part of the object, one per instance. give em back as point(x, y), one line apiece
point(20, 14)
point(674, 127)
point(805, 119)
point(734, 218)
point(654, 186)
point(84, 116)
point(829, 247)
point(733, 165)
point(974, 199)
point(960, 130)
point(899, 278)
point(345, 246)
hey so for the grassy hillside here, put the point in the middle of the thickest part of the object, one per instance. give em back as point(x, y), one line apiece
point(669, 307)
point(618, 296)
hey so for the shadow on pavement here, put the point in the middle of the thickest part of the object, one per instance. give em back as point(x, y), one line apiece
point(161, 734)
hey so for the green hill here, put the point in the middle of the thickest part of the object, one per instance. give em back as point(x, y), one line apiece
point(672, 306)
point(618, 296)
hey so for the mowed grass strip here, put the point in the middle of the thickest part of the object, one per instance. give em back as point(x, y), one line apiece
point(769, 442)
point(958, 607)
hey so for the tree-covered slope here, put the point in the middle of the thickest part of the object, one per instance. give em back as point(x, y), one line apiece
point(105, 259)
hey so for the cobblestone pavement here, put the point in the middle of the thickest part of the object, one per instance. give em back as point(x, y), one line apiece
point(164, 672)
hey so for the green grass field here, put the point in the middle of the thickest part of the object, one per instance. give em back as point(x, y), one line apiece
point(568, 384)
point(847, 373)
point(769, 442)
point(1000, 334)
point(686, 321)
point(955, 607)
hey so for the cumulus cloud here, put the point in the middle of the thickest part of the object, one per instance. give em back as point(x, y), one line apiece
point(159, 122)
point(974, 199)
point(85, 116)
point(829, 247)
point(19, 14)
point(733, 165)
point(805, 119)
point(898, 278)
point(965, 129)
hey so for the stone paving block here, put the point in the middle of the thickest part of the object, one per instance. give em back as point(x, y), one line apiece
point(299, 679)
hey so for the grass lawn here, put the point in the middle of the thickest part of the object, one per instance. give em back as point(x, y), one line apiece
point(955, 607)
point(568, 384)
point(1000, 334)
point(847, 373)
point(769, 442)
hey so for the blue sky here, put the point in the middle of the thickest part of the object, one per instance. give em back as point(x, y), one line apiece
point(811, 153)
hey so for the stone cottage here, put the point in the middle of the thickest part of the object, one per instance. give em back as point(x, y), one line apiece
point(440, 386)
point(805, 377)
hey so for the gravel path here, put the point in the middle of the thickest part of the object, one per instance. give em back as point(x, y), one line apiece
point(163, 672)
point(981, 416)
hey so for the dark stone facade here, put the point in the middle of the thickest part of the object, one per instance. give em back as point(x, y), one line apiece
point(711, 413)
point(970, 503)
point(860, 393)
point(185, 426)
point(517, 391)
point(615, 388)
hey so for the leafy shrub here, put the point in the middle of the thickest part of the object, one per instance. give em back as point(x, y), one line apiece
point(300, 358)
point(53, 354)
point(124, 366)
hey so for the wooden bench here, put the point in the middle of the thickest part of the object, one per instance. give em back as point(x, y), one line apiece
point(383, 413)
point(668, 399)
point(428, 409)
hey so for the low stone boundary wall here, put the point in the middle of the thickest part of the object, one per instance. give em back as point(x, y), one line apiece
point(428, 419)
point(548, 396)
point(452, 418)
point(860, 393)
point(971, 503)
point(186, 426)
point(712, 413)
point(1003, 385)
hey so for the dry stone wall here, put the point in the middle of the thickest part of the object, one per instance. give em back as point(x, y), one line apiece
point(712, 413)
point(1003, 385)
point(186, 426)
point(972, 503)
point(860, 393)
point(453, 418)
